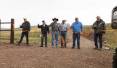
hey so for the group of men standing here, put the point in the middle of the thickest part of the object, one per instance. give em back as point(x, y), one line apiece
point(56, 29)
point(62, 29)
point(77, 28)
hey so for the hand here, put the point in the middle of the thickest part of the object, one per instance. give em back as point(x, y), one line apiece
point(81, 33)
point(92, 30)
point(49, 33)
point(20, 26)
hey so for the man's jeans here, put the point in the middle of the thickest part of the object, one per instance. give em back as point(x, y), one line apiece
point(98, 40)
point(44, 37)
point(55, 38)
point(76, 37)
point(63, 38)
point(22, 36)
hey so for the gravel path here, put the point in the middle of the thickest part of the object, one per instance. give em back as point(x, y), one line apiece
point(35, 57)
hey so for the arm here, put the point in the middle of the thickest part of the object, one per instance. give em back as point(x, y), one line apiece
point(29, 27)
point(21, 26)
point(58, 27)
point(39, 26)
point(94, 26)
point(72, 26)
point(103, 27)
point(81, 27)
point(48, 29)
point(51, 24)
point(67, 27)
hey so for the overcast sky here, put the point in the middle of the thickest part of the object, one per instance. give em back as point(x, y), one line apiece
point(37, 10)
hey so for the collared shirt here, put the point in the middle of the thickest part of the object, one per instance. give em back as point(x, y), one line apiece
point(63, 27)
point(54, 26)
point(77, 26)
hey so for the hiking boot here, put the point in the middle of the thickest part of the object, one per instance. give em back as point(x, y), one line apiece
point(18, 44)
point(78, 47)
point(56, 46)
point(41, 46)
point(95, 48)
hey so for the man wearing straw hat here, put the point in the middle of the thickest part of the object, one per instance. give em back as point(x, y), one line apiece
point(63, 32)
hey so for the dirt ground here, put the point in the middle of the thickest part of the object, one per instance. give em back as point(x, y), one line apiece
point(12, 56)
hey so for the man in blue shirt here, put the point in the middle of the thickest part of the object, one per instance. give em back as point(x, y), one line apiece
point(77, 29)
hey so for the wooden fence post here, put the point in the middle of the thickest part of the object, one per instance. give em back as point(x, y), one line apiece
point(0, 31)
point(12, 32)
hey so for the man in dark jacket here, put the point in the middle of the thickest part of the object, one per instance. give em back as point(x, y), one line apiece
point(44, 32)
point(99, 30)
point(25, 31)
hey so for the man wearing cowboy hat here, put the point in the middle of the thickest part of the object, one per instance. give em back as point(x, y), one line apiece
point(55, 31)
